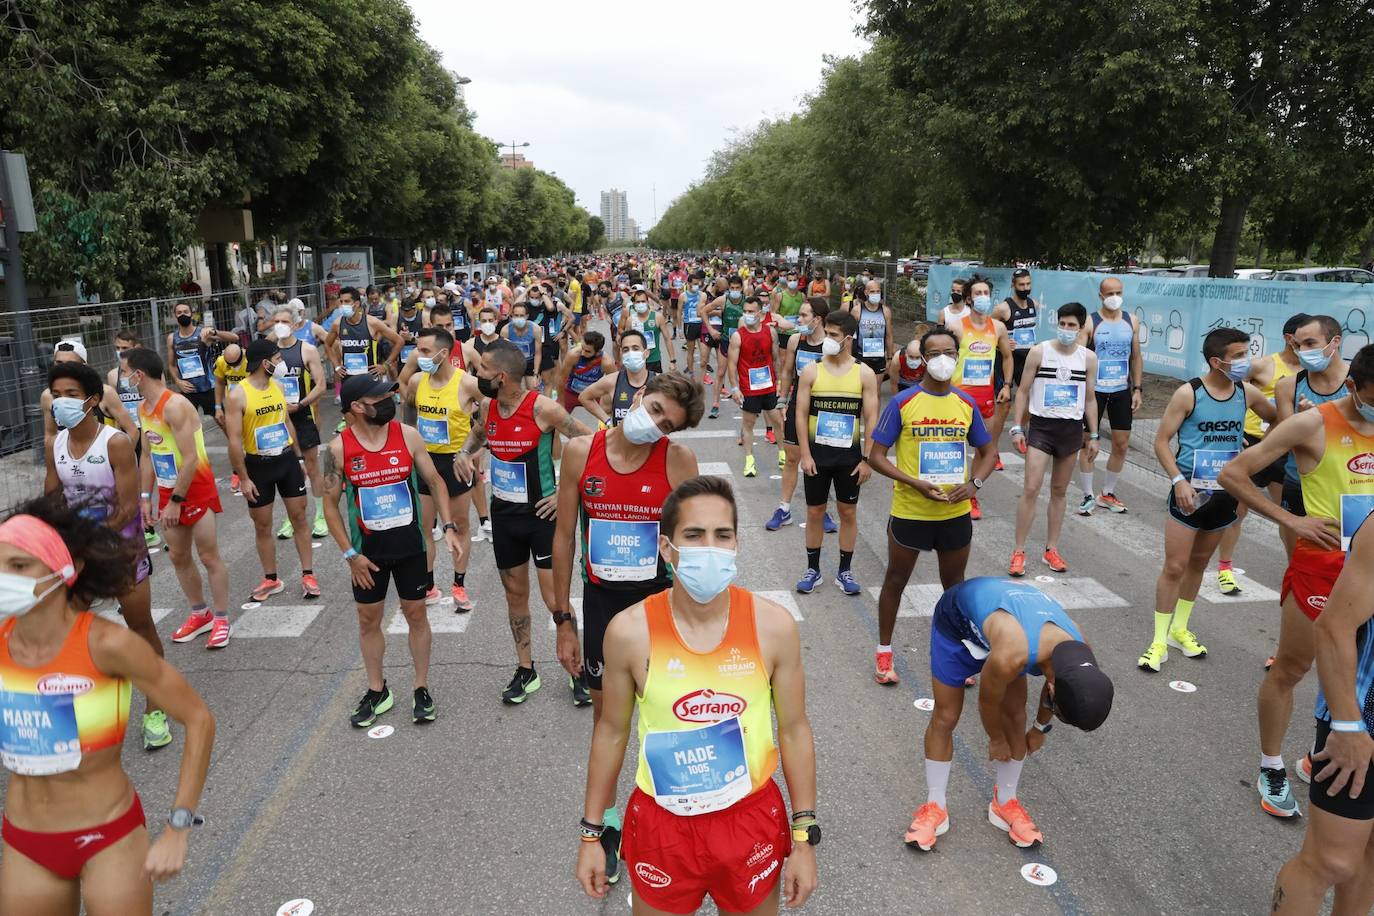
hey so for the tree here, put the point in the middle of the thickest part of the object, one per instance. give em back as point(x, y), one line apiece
point(596, 232)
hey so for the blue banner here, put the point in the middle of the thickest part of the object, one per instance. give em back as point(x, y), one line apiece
point(1174, 314)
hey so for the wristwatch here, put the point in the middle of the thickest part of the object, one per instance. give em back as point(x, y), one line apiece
point(1043, 729)
point(449, 526)
point(177, 498)
point(809, 834)
point(183, 819)
point(561, 617)
point(977, 483)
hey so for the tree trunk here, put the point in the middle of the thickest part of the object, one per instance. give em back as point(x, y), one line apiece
point(1226, 241)
point(1259, 253)
point(293, 241)
point(1367, 248)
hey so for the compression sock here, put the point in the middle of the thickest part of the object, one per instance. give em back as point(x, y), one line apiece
point(1223, 565)
point(1182, 611)
point(1162, 626)
point(1008, 775)
point(937, 778)
point(460, 579)
point(1085, 480)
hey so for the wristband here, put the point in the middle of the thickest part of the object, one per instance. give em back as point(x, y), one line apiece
point(1347, 725)
point(803, 815)
point(590, 832)
point(350, 553)
point(145, 496)
point(1093, 437)
point(1016, 431)
point(1176, 479)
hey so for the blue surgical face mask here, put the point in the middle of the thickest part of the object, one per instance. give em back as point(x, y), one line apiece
point(1365, 410)
point(982, 304)
point(1239, 371)
point(69, 412)
point(704, 571)
point(425, 363)
point(1314, 360)
point(1067, 336)
point(519, 321)
point(346, 311)
point(633, 361)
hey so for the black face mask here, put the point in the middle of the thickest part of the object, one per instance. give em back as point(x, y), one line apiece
point(489, 387)
point(383, 412)
point(956, 298)
point(184, 320)
point(1023, 294)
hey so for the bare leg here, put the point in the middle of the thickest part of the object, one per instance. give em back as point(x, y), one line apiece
point(1036, 462)
point(262, 537)
point(789, 472)
point(372, 642)
point(516, 582)
point(179, 539)
point(207, 548)
point(944, 718)
point(421, 639)
point(1334, 853)
point(901, 562)
point(135, 606)
point(1059, 494)
point(295, 511)
point(1292, 660)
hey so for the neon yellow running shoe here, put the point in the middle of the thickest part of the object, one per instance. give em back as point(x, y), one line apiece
point(1186, 641)
point(1226, 581)
point(1154, 657)
point(750, 468)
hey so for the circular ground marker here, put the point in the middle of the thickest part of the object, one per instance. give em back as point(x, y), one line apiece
point(316, 545)
point(251, 605)
point(380, 731)
point(1044, 578)
point(297, 907)
point(1237, 570)
point(924, 704)
point(775, 477)
point(1183, 686)
point(1039, 875)
point(153, 550)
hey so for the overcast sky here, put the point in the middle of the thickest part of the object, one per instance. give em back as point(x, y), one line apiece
point(633, 95)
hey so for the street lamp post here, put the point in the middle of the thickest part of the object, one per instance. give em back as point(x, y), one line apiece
point(513, 147)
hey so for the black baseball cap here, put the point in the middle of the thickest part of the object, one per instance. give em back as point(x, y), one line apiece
point(1082, 691)
point(357, 387)
point(259, 350)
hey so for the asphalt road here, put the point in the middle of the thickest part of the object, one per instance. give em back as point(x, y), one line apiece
point(475, 813)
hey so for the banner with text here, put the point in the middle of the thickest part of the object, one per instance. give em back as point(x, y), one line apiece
point(345, 267)
point(1174, 314)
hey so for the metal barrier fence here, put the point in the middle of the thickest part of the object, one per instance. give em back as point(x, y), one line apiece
point(906, 297)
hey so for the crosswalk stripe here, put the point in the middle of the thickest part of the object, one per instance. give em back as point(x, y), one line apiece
point(712, 434)
point(1250, 590)
point(715, 468)
point(786, 599)
point(442, 619)
point(275, 622)
point(917, 600)
point(112, 614)
point(1074, 594)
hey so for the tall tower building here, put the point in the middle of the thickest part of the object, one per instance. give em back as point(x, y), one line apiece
point(615, 214)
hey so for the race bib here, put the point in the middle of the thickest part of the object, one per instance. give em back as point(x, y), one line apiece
point(941, 462)
point(1111, 372)
point(290, 389)
point(715, 321)
point(977, 371)
point(434, 432)
point(835, 429)
point(508, 481)
point(526, 346)
point(806, 358)
point(406, 351)
point(386, 506)
point(38, 733)
point(190, 367)
point(354, 361)
point(165, 469)
point(1062, 395)
point(872, 347)
point(698, 770)
point(1207, 465)
point(1023, 338)
point(689, 312)
point(760, 377)
point(1355, 508)
point(649, 340)
point(622, 551)
point(271, 440)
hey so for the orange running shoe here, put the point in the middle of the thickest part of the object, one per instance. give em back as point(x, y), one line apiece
point(267, 588)
point(929, 821)
point(461, 602)
point(433, 597)
point(974, 509)
point(195, 625)
point(219, 633)
point(310, 587)
point(1305, 768)
point(885, 674)
point(1109, 501)
point(1012, 818)
point(1017, 567)
point(234, 484)
point(998, 465)
point(1054, 561)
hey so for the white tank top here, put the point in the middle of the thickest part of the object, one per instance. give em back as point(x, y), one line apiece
point(1060, 385)
point(88, 480)
point(952, 316)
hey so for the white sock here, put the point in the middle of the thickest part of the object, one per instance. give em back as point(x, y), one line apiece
point(1008, 775)
point(1085, 480)
point(1109, 481)
point(884, 648)
point(937, 778)
point(1271, 763)
point(786, 507)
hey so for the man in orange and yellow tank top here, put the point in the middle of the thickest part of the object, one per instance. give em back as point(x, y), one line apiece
point(985, 366)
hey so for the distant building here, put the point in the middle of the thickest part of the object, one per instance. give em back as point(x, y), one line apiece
point(615, 215)
point(516, 161)
point(631, 231)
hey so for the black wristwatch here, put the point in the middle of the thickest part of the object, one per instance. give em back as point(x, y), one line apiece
point(177, 498)
point(561, 617)
point(809, 834)
point(449, 526)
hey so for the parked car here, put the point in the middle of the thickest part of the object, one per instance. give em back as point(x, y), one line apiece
point(1254, 273)
point(1191, 270)
point(1159, 272)
point(1326, 275)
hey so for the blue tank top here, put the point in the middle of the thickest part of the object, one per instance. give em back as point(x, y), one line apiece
point(1302, 388)
point(1211, 435)
point(690, 301)
point(305, 333)
point(524, 341)
point(190, 355)
point(962, 610)
point(1111, 340)
point(1364, 669)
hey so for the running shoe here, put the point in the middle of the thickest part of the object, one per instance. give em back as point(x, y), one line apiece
point(151, 539)
point(321, 527)
point(771, 436)
point(929, 821)
point(1013, 818)
point(195, 625)
point(1226, 581)
point(780, 517)
point(1086, 506)
point(156, 734)
point(372, 705)
point(884, 673)
point(975, 510)
point(310, 586)
point(808, 582)
point(433, 597)
point(581, 695)
point(998, 465)
point(1054, 561)
point(424, 705)
point(1154, 657)
point(1187, 641)
point(1269, 662)
point(1109, 501)
point(828, 524)
point(1305, 768)
point(267, 588)
point(751, 469)
point(610, 842)
point(461, 602)
point(1276, 797)
point(437, 533)
point(782, 459)
point(525, 682)
point(847, 583)
point(706, 378)
point(1017, 567)
point(715, 411)
point(234, 485)
point(219, 633)
point(486, 528)
point(285, 532)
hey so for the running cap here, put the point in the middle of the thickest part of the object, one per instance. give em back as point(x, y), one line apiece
point(357, 387)
point(1082, 691)
point(259, 350)
point(71, 346)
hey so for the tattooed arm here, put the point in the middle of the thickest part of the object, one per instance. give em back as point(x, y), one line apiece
point(550, 415)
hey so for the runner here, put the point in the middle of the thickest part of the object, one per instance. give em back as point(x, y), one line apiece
point(528, 337)
point(517, 427)
point(931, 497)
point(68, 679)
point(191, 346)
point(584, 367)
point(786, 298)
point(1006, 632)
point(1329, 443)
point(444, 399)
point(554, 319)
point(620, 387)
point(113, 413)
point(907, 368)
point(1020, 312)
point(488, 331)
point(129, 397)
point(187, 498)
point(958, 309)
point(1054, 409)
point(802, 350)
point(751, 361)
point(375, 464)
point(684, 837)
point(302, 384)
point(1338, 850)
point(357, 335)
point(874, 343)
point(983, 342)
point(411, 318)
point(647, 318)
point(1120, 376)
point(693, 303)
point(265, 450)
point(838, 396)
point(93, 468)
point(722, 315)
point(1208, 416)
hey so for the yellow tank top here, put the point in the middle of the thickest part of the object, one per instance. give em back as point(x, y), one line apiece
point(232, 376)
point(836, 416)
point(1254, 426)
point(1343, 481)
point(977, 350)
point(264, 420)
point(442, 422)
point(706, 718)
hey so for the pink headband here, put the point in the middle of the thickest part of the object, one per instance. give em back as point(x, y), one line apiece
point(41, 540)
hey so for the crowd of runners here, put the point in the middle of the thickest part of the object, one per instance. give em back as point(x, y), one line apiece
point(481, 405)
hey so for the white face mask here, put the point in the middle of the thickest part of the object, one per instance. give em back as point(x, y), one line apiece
point(279, 370)
point(875, 298)
point(831, 347)
point(750, 318)
point(16, 592)
point(282, 330)
point(1112, 302)
point(488, 328)
point(941, 368)
point(640, 428)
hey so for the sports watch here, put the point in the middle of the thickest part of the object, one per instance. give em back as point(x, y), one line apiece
point(183, 819)
point(810, 834)
point(561, 617)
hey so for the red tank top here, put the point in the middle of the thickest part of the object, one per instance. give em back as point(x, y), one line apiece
point(456, 359)
point(620, 514)
point(383, 501)
point(756, 362)
point(521, 466)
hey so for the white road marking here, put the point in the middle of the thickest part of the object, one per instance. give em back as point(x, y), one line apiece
point(112, 614)
point(716, 468)
point(442, 619)
point(711, 434)
point(917, 600)
point(1074, 594)
point(786, 599)
point(1250, 590)
point(275, 621)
